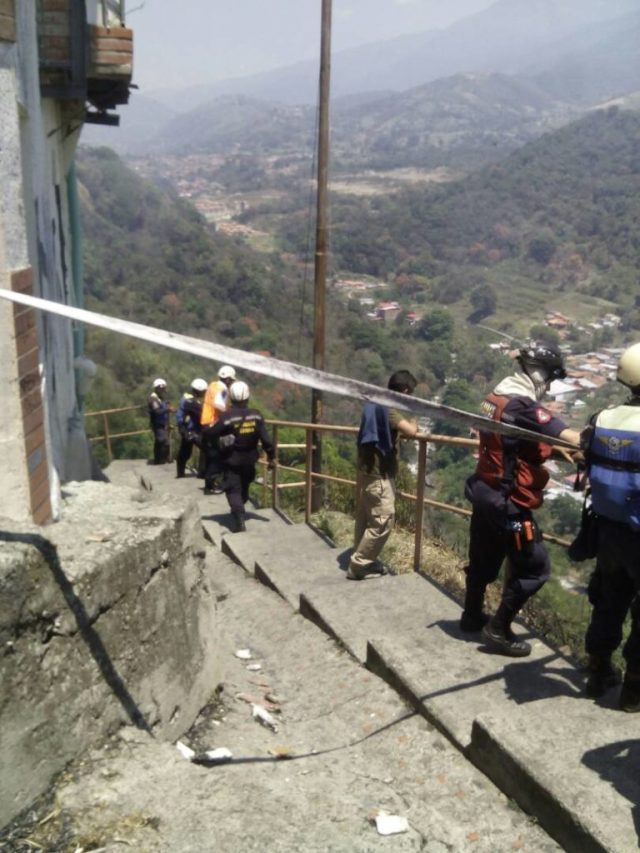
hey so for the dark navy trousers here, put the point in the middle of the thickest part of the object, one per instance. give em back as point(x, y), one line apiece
point(491, 540)
point(237, 479)
point(614, 590)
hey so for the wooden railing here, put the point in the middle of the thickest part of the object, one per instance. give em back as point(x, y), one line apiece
point(108, 436)
point(274, 486)
point(420, 500)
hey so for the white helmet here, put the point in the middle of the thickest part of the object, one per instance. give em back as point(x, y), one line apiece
point(239, 392)
point(199, 386)
point(159, 383)
point(226, 372)
point(628, 372)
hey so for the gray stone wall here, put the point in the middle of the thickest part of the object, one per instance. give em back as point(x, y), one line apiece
point(108, 619)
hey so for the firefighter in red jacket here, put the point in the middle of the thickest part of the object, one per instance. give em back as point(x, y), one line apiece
point(506, 486)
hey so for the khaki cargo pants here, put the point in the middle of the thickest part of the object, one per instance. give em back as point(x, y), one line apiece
point(375, 517)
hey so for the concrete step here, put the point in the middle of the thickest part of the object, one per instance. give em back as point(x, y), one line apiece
point(296, 557)
point(523, 722)
point(570, 762)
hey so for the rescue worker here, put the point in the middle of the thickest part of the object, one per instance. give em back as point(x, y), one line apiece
point(612, 451)
point(377, 469)
point(159, 410)
point(507, 485)
point(216, 401)
point(188, 423)
point(237, 434)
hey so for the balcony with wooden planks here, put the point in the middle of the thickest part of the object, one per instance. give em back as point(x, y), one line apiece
point(110, 65)
point(7, 20)
point(85, 53)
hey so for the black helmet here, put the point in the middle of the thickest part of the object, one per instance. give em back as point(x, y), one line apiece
point(542, 356)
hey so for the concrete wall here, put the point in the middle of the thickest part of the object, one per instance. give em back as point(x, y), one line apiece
point(15, 498)
point(12, 439)
point(106, 618)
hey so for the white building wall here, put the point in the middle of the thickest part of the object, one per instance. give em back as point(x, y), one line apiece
point(37, 142)
point(14, 496)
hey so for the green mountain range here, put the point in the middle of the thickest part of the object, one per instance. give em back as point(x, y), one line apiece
point(562, 56)
point(560, 215)
point(460, 122)
point(553, 226)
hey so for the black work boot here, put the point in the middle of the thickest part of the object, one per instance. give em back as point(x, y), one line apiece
point(501, 639)
point(473, 619)
point(238, 522)
point(630, 693)
point(601, 676)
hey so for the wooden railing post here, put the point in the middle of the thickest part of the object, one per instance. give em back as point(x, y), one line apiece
point(308, 476)
point(421, 475)
point(274, 473)
point(107, 437)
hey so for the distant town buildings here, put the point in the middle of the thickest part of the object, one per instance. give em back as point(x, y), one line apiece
point(388, 311)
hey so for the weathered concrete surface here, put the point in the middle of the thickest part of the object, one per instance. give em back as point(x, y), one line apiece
point(412, 628)
point(106, 618)
point(546, 746)
point(356, 749)
point(582, 774)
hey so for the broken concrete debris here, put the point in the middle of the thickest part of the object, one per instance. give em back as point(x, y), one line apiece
point(208, 758)
point(264, 717)
point(390, 824)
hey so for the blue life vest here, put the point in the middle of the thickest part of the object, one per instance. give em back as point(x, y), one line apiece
point(614, 465)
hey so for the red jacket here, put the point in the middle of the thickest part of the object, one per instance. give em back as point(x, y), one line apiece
point(518, 470)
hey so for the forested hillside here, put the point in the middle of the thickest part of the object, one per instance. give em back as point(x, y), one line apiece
point(559, 216)
point(463, 122)
point(151, 258)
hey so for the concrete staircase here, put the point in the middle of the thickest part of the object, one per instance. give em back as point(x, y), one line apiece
point(570, 763)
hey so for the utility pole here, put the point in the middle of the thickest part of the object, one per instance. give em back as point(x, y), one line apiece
point(320, 266)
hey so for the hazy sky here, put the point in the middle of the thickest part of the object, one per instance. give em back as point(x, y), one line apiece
point(185, 42)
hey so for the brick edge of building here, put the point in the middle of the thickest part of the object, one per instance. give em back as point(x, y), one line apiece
point(28, 360)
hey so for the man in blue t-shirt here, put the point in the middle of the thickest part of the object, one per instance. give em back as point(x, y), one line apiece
point(377, 468)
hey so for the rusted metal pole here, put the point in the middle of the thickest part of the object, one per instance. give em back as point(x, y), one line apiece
point(274, 473)
point(309, 484)
point(107, 437)
point(422, 471)
point(320, 266)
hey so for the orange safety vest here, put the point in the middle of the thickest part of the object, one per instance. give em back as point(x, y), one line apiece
point(523, 475)
point(211, 412)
